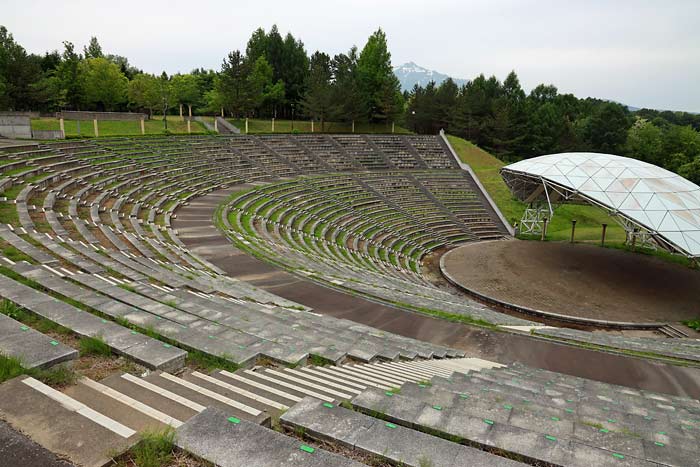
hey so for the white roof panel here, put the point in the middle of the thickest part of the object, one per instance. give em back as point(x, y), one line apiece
point(608, 179)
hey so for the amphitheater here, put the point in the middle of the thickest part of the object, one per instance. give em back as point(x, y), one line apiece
point(304, 266)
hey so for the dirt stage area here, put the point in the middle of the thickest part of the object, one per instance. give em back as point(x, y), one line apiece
point(578, 280)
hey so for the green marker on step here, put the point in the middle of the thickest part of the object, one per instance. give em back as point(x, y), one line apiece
point(306, 448)
point(54, 343)
point(390, 425)
point(234, 420)
point(24, 328)
point(328, 404)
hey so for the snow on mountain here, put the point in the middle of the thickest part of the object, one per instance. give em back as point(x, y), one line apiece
point(410, 74)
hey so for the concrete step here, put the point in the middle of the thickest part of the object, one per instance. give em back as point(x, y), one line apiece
point(202, 397)
point(230, 442)
point(385, 440)
point(173, 405)
point(522, 430)
point(32, 348)
point(61, 424)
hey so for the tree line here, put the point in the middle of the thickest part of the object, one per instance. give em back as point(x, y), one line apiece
point(273, 77)
point(513, 125)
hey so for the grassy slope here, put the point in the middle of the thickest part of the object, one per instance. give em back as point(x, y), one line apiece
point(588, 218)
point(304, 126)
point(118, 128)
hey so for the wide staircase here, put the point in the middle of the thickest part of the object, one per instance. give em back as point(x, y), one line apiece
point(224, 417)
point(463, 411)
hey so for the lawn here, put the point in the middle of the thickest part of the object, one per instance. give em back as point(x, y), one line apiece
point(118, 127)
point(304, 126)
point(589, 219)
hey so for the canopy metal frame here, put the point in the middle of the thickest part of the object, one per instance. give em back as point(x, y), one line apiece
point(535, 189)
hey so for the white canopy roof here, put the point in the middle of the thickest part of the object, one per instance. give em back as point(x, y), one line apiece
point(660, 201)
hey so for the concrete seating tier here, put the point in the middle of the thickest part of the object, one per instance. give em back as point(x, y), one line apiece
point(220, 416)
point(545, 417)
point(97, 214)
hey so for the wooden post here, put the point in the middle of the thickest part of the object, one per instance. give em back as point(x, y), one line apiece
point(246, 125)
point(602, 238)
point(353, 126)
point(94, 124)
point(190, 110)
point(181, 117)
point(216, 125)
point(222, 112)
point(143, 127)
point(273, 124)
point(189, 127)
point(392, 127)
point(61, 125)
point(544, 230)
point(312, 125)
point(573, 229)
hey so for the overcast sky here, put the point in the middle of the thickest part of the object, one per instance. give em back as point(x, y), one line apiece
point(641, 53)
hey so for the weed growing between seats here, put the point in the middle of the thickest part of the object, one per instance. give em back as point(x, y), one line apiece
point(157, 449)
point(693, 324)
point(200, 360)
point(94, 346)
point(11, 367)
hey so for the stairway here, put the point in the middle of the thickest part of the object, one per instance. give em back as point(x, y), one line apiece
point(87, 422)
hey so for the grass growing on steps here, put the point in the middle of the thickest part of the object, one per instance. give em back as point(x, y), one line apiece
point(94, 346)
point(38, 323)
point(693, 324)
point(11, 367)
point(203, 361)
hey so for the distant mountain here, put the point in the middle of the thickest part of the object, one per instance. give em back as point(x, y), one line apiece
point(410, 74)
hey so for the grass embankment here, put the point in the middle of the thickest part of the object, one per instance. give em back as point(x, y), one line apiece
point(589, 219)
point(304, 126)
point(118, 127)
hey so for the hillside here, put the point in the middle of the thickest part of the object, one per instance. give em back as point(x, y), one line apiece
point(588, 218)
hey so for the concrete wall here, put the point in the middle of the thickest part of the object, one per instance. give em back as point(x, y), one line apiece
point(15, 126)
point(48, 134)
point(72, 115)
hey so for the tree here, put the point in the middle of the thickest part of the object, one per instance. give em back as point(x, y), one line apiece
point(106, 86)
point(232, 87)
point(259, 82)
point(93, 49)
point(691, 171)
point(165, 91)
point(379, 86)
point(144, 92)
point(347, 87)
point(606, 130)
point(185, 91)
point(645, 142)
point(319, 99)
point(70, 77)
point(18, 71)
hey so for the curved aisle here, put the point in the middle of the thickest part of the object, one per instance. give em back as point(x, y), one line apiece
point(196, 229)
